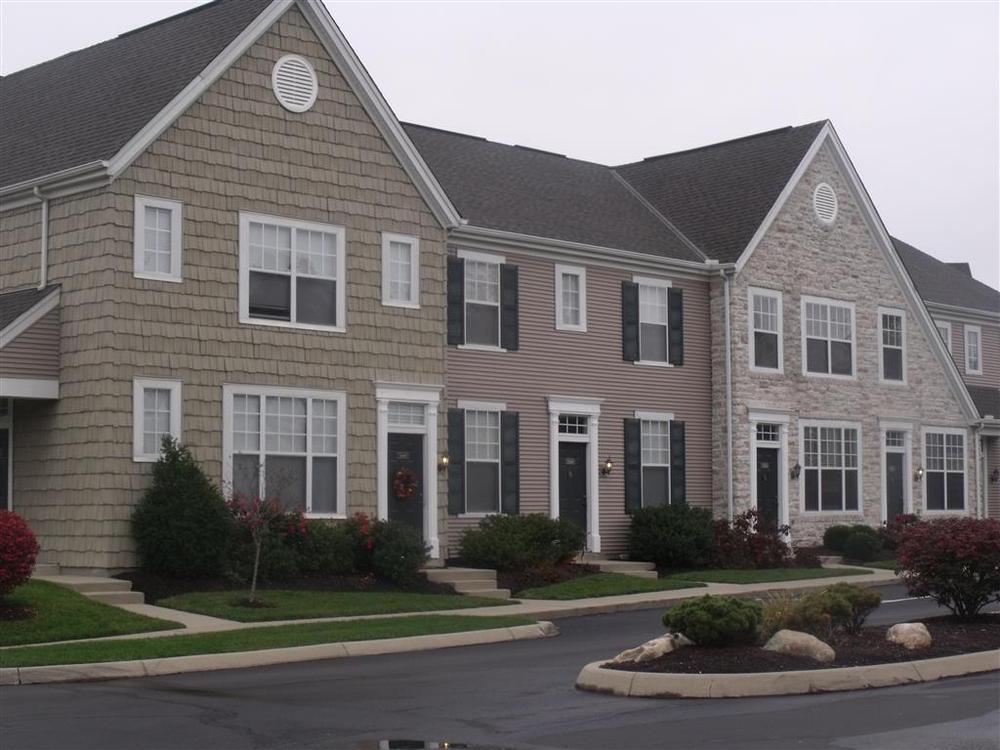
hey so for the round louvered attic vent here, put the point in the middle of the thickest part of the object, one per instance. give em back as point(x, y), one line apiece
point(825, 203)
point(294, 82)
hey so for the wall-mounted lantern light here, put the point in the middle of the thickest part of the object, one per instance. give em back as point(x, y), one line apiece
point(918, 474)
point(796, 470)
point(995, 475)
point(443, 462)
point(607, 467)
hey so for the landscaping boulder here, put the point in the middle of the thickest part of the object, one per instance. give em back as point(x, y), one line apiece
point(800, 644)
point(912, 635)
point(652, 649)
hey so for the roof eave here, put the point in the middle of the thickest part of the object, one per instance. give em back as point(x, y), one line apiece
point(55, 185)
point(957, 311)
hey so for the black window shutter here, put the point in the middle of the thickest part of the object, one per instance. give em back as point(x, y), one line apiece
point(630, 321)
point(456, 461)
point(633, 465)
point(678, 470)
point(510, 492)
point(508, 307)
point(675, 312)
point(456, 301)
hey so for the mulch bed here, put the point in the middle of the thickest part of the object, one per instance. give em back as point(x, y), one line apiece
point(11, 612)
point(950, 637)
point(158, 587)
point(518, 581)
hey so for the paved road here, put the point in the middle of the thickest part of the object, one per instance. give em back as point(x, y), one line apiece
point(508, 695)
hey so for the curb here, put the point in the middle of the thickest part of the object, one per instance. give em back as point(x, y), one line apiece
point(595, 678)
point(267, 657)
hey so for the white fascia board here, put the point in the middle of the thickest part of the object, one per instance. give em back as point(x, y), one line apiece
point(55, 185)
point(29, 317)
point(962, 314)
point(43, 388)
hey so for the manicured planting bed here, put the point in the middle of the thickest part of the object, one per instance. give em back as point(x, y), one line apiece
point(251, 639)
point(63, 615)
point(950, 637)
point(604, 584)
point(766, 575)
point(302, 605)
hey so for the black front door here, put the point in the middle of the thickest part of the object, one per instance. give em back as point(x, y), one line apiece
point(767, 486)
point(406, 479)
point(573, 483)
point(893, 484)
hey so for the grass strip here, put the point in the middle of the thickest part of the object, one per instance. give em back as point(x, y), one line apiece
point(767, 575)
point(604, 584)
point(303, 605)
point(882, 564)
point(64, 615)
point(251, 639)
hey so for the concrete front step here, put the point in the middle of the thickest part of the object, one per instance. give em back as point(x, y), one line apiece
point(116, 597)
point(471, 586)
point(88, 584)
point(627, 567)
point(831, 559)
point(450, 575)
point(493, 593)
point(45, 569)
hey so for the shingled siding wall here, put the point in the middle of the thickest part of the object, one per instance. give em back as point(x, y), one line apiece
point(237, 149)
point(799, 256)
point(589, 365)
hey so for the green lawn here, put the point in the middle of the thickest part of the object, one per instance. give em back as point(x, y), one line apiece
point(64, 615)
point(770, 575)
point(250, 639)
point(604, 584)
point(302, 605)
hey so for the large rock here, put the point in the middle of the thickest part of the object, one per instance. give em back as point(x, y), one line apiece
point(800, 644)
point(912, 635)
point(653, 649)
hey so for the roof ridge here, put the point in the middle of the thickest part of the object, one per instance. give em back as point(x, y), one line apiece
point(445, 131)
point(658, 214)
point(188, 12)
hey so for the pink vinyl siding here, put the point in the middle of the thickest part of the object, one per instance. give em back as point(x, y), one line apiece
point(990, 354)
point(35, 353)
point(590, 365)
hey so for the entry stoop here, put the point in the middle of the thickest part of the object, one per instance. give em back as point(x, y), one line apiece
point(98, 588)
point(470, 581)
point(626, 567)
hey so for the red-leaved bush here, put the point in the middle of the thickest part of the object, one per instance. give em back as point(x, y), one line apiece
point(18, 550)
point(749, 542)
point(892, 530)
point(954, 560)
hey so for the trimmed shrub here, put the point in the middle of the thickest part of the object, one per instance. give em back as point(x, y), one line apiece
point(806, 557)
point(326, 550)
point(749, 543)
point(835, 537)
point(18, 551)
point(515, 543)
point(863, 544)
point(954, 560)
point(672, 536)
point(281, 544)
point(716, 621)
point(892, 531)
point(842, 606)
point(862, 601)
point(399, 552)
point(181, 525)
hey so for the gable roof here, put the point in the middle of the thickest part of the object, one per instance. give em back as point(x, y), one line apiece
point(85, 106)
point(15, 304)
point(941, 282)
point(718, 195)
point(527, 191)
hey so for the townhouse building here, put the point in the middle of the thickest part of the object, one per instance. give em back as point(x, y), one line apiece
point(214, 227)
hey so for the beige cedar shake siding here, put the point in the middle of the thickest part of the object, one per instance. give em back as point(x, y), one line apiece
point(799, 256)
point(236, 149)
point(589, 365)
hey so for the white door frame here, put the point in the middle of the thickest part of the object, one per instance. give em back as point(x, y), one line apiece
point(907, 429)
point(591, 409)
point(781, 444)
point(7, 423)
point(430, 397)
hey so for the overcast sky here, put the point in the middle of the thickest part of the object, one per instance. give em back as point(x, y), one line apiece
point(913, 88)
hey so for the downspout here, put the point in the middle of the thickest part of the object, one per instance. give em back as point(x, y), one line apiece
point(43, 273)
point(726, 277)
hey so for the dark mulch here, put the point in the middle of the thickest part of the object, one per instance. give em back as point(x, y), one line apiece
point(158, 587)
point(10, 612)
point(519, 580)
point(950, 637)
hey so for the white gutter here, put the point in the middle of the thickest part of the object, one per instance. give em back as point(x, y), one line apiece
point(727, 274)
point(43, 269)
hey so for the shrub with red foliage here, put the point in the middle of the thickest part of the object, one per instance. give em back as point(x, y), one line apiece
point(748, 542)
point(892, 530)
point(18, 550)
point(954, 560)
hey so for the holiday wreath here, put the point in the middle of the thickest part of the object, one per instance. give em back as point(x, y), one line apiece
point(404, 484)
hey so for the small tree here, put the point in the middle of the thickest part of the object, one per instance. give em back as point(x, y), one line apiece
point(18, 550)
point(254, 515)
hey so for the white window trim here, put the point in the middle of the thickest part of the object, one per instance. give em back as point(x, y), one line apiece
point(414, 243)
point(494, 407)
point(229, 390)
point(945, 324)
point(655, 417)
point(498, 260)
point(820, 423)
point(139, 385)
point(907, 451)
point(965, 470)
point(773, 294)
point(244, 291)
point(979, 334)
point(581, 274)
point(481, 257)
point(652, 281)
point(782, 445)
point(881, 344)
point(662, 284)
point(176, 208)
point(590, 408)
point(854, 338)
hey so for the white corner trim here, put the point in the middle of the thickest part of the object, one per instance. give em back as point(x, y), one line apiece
point(655, 416)
point(176, 209)
point(29, 388)
point(414, 244)
point(467, 405)
point(29, 317)
point(139, 386)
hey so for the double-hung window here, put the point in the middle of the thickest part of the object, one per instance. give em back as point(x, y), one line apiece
point(291, 273)
point(571, 298)
point(892, 332)
point(831, 473)
point(765, 330)
point(482, 461)
point(654, 331)
point(157, 238)
point(482, 302)
point(655, 462)
point(286, 444)
point(400, 270)
point(944, 329)
point(156, 413)
point(944, 470)
point(973, 350)
point(828, 337)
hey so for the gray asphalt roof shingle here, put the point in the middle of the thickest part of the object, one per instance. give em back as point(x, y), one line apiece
point(537, 193)
point(15, 304)
point(937, 281)
point(84, 106)
point(986, 399)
